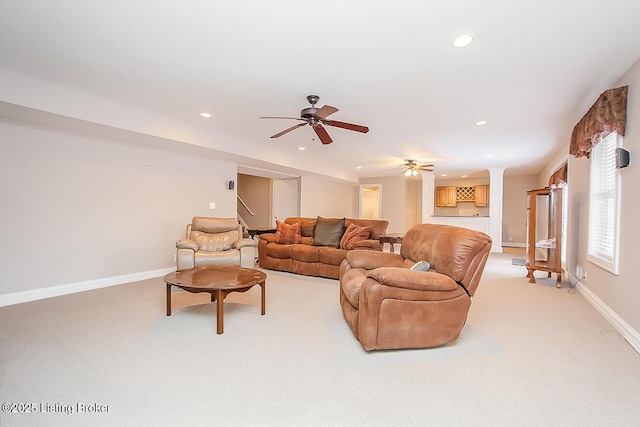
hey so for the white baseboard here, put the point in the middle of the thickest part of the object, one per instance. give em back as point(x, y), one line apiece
point(514, 245)
point(54, 291)
point(631, 335)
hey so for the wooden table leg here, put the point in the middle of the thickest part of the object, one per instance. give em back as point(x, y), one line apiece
point(220, 314)
point(168, 299)
point(262, 285)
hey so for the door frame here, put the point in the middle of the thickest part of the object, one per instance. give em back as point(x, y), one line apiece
point(362, 189)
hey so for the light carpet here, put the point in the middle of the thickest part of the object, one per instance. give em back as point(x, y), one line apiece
point(529, 355)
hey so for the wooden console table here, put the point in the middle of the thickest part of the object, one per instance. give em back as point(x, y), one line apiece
point(253, 232)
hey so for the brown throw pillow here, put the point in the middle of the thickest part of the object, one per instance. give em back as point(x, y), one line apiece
point(307, 227)
point(328, 232)
point(354, 235)
point(287, 234)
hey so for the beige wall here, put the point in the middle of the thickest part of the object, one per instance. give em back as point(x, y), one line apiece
point(394, 200)
point(326, 198)
point(514, 209)
point(616, 296)
point(256, 192)
point(77, 208)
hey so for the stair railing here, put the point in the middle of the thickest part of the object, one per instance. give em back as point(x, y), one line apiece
point(245, 206)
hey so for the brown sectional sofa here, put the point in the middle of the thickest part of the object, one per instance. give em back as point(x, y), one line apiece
point(304, 258)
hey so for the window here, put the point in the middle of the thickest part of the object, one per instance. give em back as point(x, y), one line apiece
point(565, 214)
point(604, 204)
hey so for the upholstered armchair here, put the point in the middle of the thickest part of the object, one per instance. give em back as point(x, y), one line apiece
point(215, 241)
point(388, 305)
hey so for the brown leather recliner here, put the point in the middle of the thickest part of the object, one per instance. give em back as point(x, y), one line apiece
point(389, 306)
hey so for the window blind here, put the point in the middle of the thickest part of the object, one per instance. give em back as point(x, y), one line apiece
point(603, 213)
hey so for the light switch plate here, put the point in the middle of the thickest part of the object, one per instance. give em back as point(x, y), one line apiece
point(212, 205)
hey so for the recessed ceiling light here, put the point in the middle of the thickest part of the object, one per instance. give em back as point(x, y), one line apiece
point(463, 40)
point(488, 156)
point(444, 174)
point(481, 122)
point(206, 115)
point(464, 176)
point(302, 148)
point(358, 167)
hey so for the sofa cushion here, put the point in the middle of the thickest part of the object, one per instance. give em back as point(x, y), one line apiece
point(279, 251)
point(211, 242)
point(328, 232)
point(305, 253)
point(287, 234)
point(378, 226)
point(449, 249)
point(331, 256)
point(204, 258)
point(353, 235)
point(307, 225)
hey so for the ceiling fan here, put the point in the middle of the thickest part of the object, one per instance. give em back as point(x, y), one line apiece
point(317, 119)
point(411, 168)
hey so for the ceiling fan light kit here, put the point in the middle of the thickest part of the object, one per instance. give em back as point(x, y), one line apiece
point(317, 119)
point(411, 168)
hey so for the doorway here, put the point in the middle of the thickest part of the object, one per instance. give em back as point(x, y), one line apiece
point(286, 199)
point(370, 201)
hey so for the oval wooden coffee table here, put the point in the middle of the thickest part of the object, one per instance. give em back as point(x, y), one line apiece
point(219, 282)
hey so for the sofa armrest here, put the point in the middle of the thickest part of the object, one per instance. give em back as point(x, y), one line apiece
point(245, 243)
point(187, 244)
point(413, 279)
point(268, 237)
point(373, 259)
point(371, 244)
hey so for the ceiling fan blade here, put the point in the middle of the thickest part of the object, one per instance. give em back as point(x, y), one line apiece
point(325, 111)
point(289, 118)
point(349, 126)
point(425, 167)
point(288, 130)
point(322, 134)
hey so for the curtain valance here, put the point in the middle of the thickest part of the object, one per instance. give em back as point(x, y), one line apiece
point(608, 114)
point(559, 177)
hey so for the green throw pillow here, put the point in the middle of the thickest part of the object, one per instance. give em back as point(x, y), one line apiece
point(328, 232)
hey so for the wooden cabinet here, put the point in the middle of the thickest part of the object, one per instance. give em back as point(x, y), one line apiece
point(446, 197)
point(544, 232)
point(482, 195)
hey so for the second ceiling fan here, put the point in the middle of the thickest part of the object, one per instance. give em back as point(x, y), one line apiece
point(317, 119)
point(411, 168)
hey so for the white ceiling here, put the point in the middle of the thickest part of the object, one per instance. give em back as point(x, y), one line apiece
point(531, 72)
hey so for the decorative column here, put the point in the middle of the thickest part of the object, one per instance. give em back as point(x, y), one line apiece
point(428, 195)
point(496, 188)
